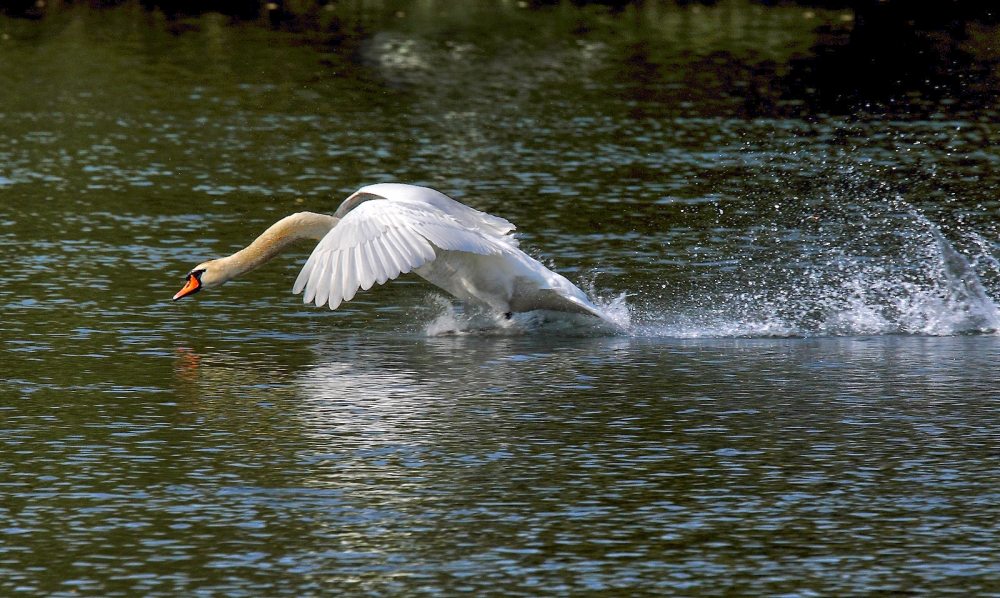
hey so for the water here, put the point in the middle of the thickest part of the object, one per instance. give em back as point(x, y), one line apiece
point(803, 401)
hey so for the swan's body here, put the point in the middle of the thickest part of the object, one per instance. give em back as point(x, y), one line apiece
point(385, 230)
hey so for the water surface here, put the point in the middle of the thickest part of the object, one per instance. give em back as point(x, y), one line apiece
point(804, 401)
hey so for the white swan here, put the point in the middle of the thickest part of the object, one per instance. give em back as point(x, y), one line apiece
point(387, 229)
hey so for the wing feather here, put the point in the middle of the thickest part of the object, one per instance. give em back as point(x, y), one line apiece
point(378, 268)
point(352, 278)
point(418, 246)
point(369, 266)
point(303, 277)
point(469, 218)
point(385, 252)
point(404, 256)
point(353, 234)
point(373, 229)
point(388, 265)
point(314, 276)
point(458, 239)
point(323, 283)
point(379, 239)
point(336, 284)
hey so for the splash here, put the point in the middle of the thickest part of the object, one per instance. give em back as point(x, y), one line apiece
point(966, 304)
point(462, 319)
point(905, 278)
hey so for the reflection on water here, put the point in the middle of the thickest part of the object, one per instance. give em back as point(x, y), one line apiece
point(243, 443)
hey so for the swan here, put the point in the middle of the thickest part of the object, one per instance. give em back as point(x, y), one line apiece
point(388, 229)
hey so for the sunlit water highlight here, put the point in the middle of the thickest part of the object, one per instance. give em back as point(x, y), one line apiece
point(921, 286)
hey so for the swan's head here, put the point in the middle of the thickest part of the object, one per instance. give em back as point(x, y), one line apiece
point(207, 275)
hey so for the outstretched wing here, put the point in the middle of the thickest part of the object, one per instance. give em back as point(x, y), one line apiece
point(470, 218)
point(380, 239)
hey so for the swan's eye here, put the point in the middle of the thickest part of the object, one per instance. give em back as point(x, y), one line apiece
point(196, 273)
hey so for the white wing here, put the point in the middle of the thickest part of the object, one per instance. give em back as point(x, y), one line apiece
point(380, 239)
point(469, 218)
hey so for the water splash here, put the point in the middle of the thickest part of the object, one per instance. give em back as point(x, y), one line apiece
point(967, 303)
point(903, 278)
point(462, 319)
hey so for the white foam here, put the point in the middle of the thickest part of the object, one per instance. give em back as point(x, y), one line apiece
point(930, 289)
point(462, 319)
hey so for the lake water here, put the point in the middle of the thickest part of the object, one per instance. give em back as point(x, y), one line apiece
point(803, 402)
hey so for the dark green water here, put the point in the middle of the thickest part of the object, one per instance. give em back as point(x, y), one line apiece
point(805, 401)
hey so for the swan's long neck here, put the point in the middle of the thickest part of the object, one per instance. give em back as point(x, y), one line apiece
point(277, 238)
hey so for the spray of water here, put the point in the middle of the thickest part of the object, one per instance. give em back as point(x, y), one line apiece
point(837, 251)
point(881, 267)
point(461, 319)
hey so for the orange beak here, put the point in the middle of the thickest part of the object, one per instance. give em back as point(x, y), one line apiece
point(193, 286)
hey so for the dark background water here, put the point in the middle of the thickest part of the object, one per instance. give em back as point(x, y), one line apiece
point(803, 403)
